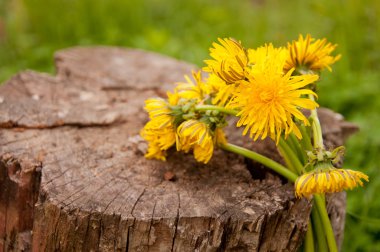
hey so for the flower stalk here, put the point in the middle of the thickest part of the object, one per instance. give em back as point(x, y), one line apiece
point(216, 108)
point(290, 156)
point(316, 127)
point(273, 165)
point(327, 228)
point(318, 230)
point(309, 239)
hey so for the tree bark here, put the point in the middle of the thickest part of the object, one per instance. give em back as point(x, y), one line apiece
point(73, 176)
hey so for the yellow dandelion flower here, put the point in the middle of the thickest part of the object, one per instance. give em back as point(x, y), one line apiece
point(159, 111)
point(173, 98)
point(164, 137)
point(219, 90)
point(328, 181)
point(310, 55)
point(197, 136)
point(192, 90)
point(192, 132)
point(269, 103)
point(203, 153)
point(159, 132)
point(159, 139)
point(214, 83)
point(220, 137)
point(267, 57)
point(155, 152)
point(229, 60)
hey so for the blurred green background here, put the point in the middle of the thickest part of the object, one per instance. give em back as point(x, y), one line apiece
point(31, 30)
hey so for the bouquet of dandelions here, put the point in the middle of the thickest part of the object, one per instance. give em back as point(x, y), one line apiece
point(265, 88)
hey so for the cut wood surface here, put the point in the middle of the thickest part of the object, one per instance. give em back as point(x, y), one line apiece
point(73, 176)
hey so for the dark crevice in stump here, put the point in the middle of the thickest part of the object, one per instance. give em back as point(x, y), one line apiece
point(74, 177)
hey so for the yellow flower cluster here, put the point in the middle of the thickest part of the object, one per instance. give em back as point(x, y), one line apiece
point(266, 88)
point(328, 181)
point(159, 131)
point(257, 84)
point(174, 121)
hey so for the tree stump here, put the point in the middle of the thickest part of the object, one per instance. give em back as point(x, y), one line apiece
point(73, 176)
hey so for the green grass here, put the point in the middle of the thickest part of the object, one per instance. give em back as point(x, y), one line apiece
point(31, 30)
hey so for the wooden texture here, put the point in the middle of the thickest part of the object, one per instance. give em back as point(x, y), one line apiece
point(73, 176)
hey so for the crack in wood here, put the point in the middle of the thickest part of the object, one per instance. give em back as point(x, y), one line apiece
point(137, 200)
point(112, 200)
point(150, 224)
point(176, 222)
point(55, 233)
point(12, 125)
point(90, 195)
point(224, 238)
point(100, 230)
point(129, 232)
point(87, 231)
point(209, 230)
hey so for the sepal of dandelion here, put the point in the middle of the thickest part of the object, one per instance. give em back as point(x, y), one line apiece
point(329, 180)
point(319, 156)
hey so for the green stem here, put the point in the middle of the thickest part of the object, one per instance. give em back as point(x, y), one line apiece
point(321, 207)
point(298, 149)
point(217, 108)
point(309, 240)
point(280, 169)
point(287, 160)
point(316, 126)
point(318, 228)
point(319, 199)
point(290, 156)
point(305, 141)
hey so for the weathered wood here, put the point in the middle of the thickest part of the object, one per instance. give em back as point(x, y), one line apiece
point(73, 176)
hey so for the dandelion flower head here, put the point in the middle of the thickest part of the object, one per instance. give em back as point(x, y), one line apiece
point(267, 57)
point(192, 89)
point(309, 54)
point(229, 60)
point(328, 181)
point(159, 132)
point(197, 135)
point(269, 102)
